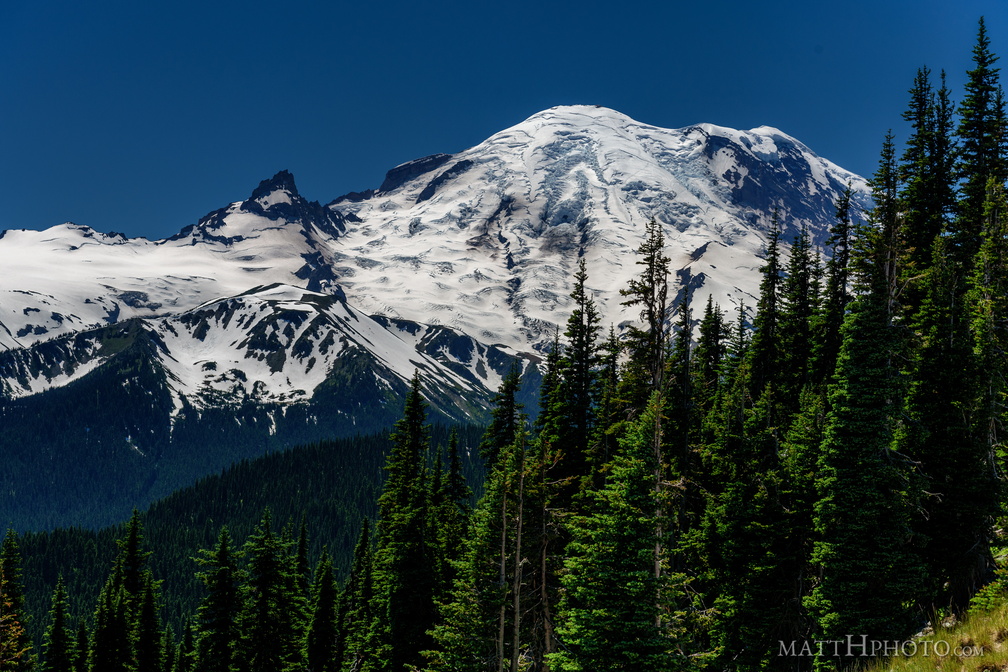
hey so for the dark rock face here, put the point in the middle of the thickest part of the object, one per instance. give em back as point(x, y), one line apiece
point(412, 170)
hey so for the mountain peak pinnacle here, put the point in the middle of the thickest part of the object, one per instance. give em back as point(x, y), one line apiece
point(282, 180)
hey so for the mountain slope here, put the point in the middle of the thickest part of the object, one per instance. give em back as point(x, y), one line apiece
point(487, 240)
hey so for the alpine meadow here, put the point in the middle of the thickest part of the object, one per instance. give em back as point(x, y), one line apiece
point(590, 396)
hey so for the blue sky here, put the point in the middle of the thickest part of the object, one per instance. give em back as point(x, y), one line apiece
point(141, 117)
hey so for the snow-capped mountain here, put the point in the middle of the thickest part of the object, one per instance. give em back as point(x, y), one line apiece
point(487, 240)
point(484, 242)
point(275, 320)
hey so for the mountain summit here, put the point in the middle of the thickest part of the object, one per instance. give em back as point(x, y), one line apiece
point(487, 240)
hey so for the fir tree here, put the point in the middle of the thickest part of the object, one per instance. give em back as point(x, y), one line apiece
point(578, 370)
point(708, 356)
point(59, 638)
point(110, 646)
point(647, 346)
point(836, 295)
point(959, 493)
point(865, 494)
point(218, 612)
point(271, 624)
point(616, 614)
point(14, 651)
point(403, 562)
point(359, 628)
point(766, 349)
point(10, 562)
point(796, 323)
point(322, 642)
point(982, 135)
point(82, 648)
point(503, 418)
point(146, 637)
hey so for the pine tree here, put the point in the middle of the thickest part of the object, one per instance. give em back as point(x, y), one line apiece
point(926, 171)
point(59, 638)
point(796, 323)
point(82, 648)
point(679, 390)
point(218, 612)
point(578, 370)
point(766, 351)
point(982, 151)
point(10, 563)
point(14, 651)
point(131, 563)
point(470, 635)
point(110, 646)
point(647, 346)
point(322, 643)
point(185, 658)
point(865, 493)
point(503, 418)
point(708, 357)
point(616, 614)
point(959, 490)
point(451, 510)
point(271, 624)
point(403, 562)
point(359, 627)
point(146, 636)
point(836, 295)
point(608, 421)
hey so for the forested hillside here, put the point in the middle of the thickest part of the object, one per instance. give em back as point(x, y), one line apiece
point(706, 494)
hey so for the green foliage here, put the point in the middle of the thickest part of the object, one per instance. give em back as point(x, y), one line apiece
point(272, 621)
point(620, 610)
point(217, 615)
point(404, 580)
point(59, 638)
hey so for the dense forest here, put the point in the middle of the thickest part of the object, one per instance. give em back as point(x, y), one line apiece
point(729, 497)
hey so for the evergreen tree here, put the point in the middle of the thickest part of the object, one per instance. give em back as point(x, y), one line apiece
point(865, 494)
point(647, 346)
point(451, 517)
point(959, 489)
point(603, 442)
point(616, 614)
point(271, 624)
point(131, 563)
point(796, 323)
point(358, 630)
point(59, 638)
point(708, 356)
point(403, 562)
point(14, 652)
point(766, 350)
point(218, 612)
point(578, 370)
point(322, 643)
point(836, 295)
point(111, 646)
point(679, 394)
point(926, 171)
point(82, 649)
point(503, 418)
point(11, 564)
point(982, 136)
point(146, 637)
point(185, 657)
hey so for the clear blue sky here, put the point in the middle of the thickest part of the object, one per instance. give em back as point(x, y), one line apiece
point(141, 117)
